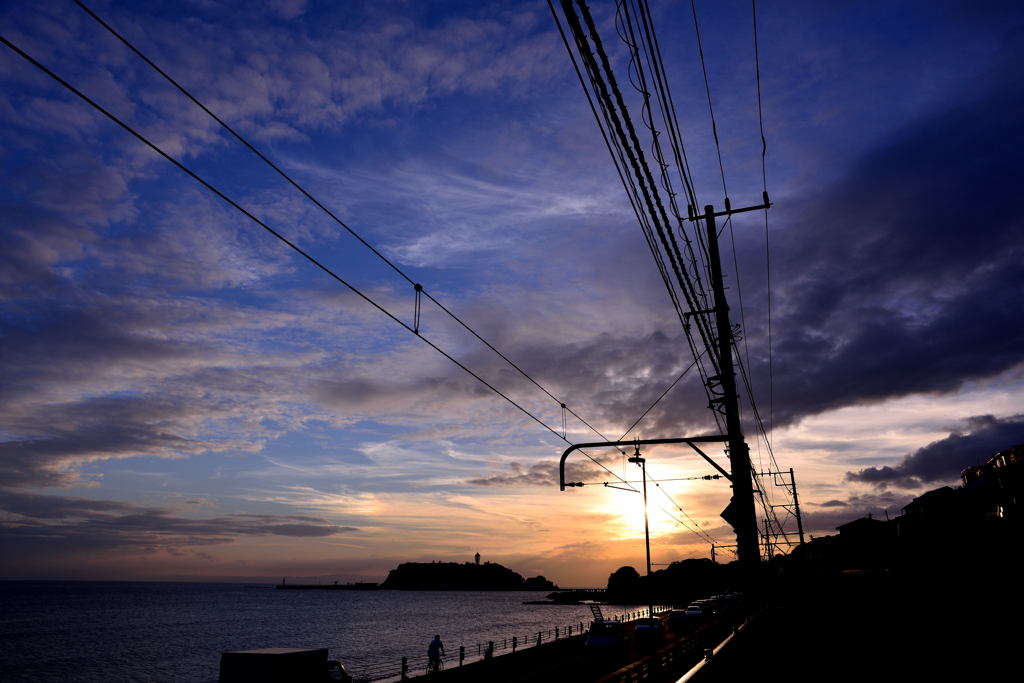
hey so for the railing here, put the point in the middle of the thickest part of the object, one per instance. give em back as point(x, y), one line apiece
point(407, 667)
point(677, 658)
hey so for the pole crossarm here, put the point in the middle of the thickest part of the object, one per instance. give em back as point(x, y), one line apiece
point(689, 440)
point(730, 211)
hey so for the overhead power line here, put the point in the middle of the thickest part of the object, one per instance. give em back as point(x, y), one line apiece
point(707, 90)
point(767, 249)
point(638, 178)
point(618, 154)
point(221, 195)
point(645, 73)
point(658, 400)
point(419, 288)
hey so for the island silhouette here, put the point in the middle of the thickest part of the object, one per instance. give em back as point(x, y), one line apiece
point(443, 576)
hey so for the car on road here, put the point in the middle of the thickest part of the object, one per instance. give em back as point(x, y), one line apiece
point(648, 633)
point(708, 605)
point(677, 619)
point(695, 611)
point(606, 635)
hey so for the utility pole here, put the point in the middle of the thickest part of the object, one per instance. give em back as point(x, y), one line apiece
point(796, 507)
point(740, 511)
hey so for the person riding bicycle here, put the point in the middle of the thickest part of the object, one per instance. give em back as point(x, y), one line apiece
point(434, 652)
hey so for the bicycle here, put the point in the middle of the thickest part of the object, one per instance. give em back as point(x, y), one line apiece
point(435, 665)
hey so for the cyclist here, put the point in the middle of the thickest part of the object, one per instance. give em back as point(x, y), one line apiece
point(434, 652)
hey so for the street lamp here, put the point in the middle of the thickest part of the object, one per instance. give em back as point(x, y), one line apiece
point(639, 460)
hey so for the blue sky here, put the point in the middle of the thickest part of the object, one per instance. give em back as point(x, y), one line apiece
point(184, 397)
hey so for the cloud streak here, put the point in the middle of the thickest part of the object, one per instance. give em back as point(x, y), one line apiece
point(37, 524)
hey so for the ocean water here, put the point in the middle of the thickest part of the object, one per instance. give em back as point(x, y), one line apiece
point(175, 632)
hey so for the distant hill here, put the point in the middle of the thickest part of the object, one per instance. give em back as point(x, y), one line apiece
point(467, 576)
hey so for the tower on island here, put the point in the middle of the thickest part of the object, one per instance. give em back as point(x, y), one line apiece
point(477, 558)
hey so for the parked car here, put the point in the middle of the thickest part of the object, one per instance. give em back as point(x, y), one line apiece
point(606, 635)
point(649, 633)
point(676, 619)
point(709, 606)
point(695, 611)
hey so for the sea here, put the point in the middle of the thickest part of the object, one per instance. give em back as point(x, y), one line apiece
point(176, 632)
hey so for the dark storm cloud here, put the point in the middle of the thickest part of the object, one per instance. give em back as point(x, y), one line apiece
point(614, 378)
point(38, 521)
point(905, 275)
point(943, 460)
point(901, 277)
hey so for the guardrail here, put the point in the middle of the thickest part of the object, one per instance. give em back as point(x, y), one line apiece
point(709, 654)
point(408, 667)
point(676, 659)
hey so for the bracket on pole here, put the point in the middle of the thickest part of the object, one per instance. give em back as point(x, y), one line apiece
point(729, 211)
point(690, 441)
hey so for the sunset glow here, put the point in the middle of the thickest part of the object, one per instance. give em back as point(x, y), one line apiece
point(183, 397)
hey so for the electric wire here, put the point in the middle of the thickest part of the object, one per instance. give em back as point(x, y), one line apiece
point(221, 195)
point(707, 90)
point(767, 249)
point(699, 532)
point(694, 529)
point(718, 150)
point(672, 118)
point(620, 162)
point(658, 400)
point(612, 122)
point(331, 214)
point(640, 481)
point(415, 331)
point(624, 25)
point(663, 95)
point(627, 132)
point(643, 89)
point(626, 180)
point(604, 93)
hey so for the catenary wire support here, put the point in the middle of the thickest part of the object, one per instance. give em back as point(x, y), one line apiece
point(416, 321)
point(563, 422)
point(701, 477)
point(689, 440)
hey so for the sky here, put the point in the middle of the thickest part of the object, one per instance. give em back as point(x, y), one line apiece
point(184, 397)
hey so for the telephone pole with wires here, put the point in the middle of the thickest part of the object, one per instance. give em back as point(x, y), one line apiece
point(683, 255)
point(740, 511)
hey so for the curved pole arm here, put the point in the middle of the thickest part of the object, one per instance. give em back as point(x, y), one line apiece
point(690, 440)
